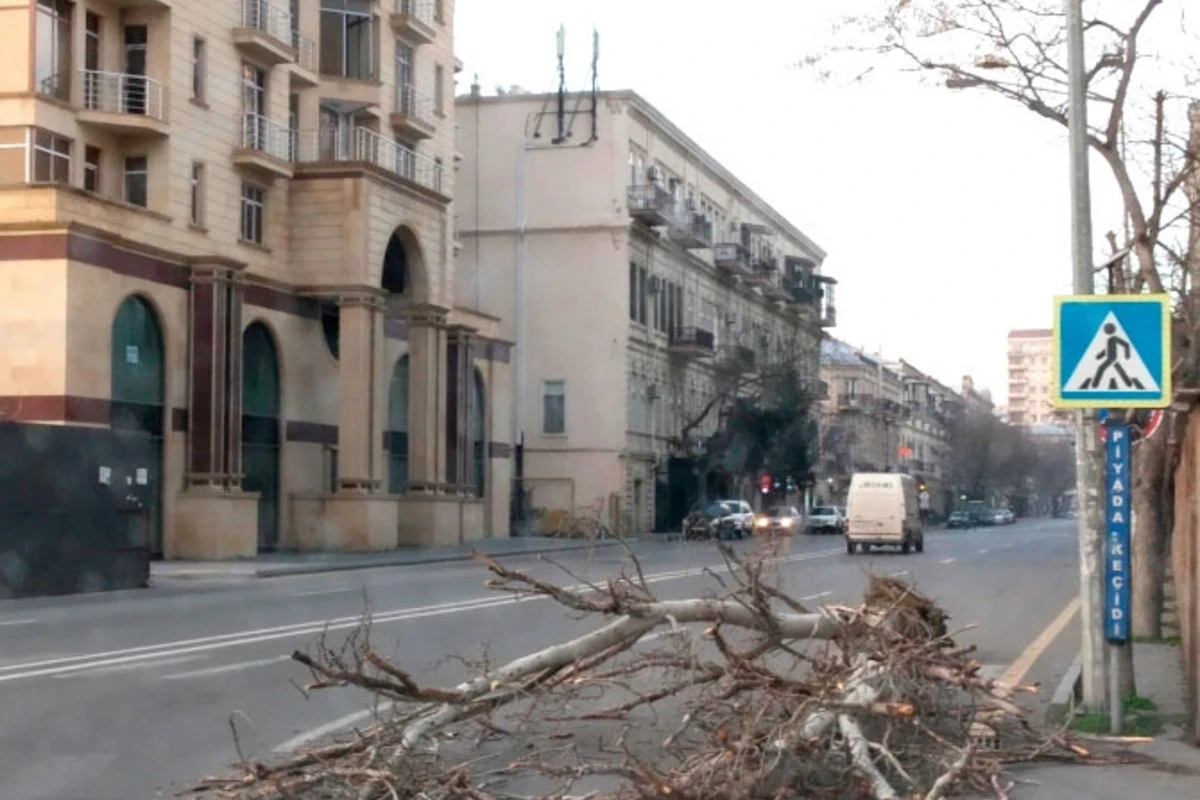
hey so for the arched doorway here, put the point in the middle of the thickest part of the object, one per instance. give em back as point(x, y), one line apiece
point(397, 438)
point(261, 401)
point(479, 435)
point(395, 279)
point(138, 398)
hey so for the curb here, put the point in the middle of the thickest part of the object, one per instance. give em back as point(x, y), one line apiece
point(407, 560)
point(1066, 697)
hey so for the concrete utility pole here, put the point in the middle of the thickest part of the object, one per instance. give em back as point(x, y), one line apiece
point(1087, 476)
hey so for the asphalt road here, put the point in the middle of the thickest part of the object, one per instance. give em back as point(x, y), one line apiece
point(129, 695)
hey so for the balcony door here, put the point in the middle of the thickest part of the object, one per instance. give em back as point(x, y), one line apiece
point(135, 90)
point(254, 107)
point(404, 77)
point(336, 133)
point(91, 61)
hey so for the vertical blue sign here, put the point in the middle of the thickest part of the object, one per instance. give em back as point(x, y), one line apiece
point(1117, 511)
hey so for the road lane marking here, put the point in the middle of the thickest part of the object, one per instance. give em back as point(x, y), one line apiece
point(11, 622)
point(57, 666)
point(1020, 668)
point(224, 668)
point(816, 596)
point(321, 592)
point(333, 726)
point(948, 560)
point(92, 673)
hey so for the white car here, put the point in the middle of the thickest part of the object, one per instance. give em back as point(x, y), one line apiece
point(825, 519)
point(742, 513)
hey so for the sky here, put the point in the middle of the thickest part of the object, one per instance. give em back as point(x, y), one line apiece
point(945, 214)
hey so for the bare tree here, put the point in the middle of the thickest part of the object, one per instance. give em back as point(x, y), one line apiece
point(766, 699)
point(1016, 49)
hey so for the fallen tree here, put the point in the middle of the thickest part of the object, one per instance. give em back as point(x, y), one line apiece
point(765, 699)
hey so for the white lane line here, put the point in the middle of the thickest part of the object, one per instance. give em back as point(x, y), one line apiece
point(948, 560)
point(91, 673)
point(333, 726)
point(11, 622)
point(55, 666)
point(816, 596)
point(899, 572)
point(224, 668)
point(321, 592)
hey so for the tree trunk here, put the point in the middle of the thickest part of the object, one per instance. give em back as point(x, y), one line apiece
point(1149, 536)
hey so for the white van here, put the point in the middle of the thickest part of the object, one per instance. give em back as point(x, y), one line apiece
point(883, 508)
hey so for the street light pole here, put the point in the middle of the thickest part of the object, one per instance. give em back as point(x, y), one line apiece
point(1087, 478)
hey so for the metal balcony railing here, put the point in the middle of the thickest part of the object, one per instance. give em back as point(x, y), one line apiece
point(651, 203)
point(420, 10)
point(361, 144)
point(731, 255)
point(275, 21)
point(414, 104)
point(306, 51)
point(271, 138)
point(120, 93)
point(693, 338)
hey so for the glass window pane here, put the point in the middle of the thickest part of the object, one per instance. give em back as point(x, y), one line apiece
point(331, 43)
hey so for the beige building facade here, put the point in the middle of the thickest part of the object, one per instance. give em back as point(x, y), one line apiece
point(1030, 354)
point(227, 236)
point(882, 417)
point(637, 275)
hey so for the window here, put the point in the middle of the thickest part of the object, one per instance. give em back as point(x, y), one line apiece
point(439, 10)
point(196, 213)
point(198, 68)
point(91, 169)
point(348, 39)
point(52, 34)
point(554, 407)
point(253, 205)
point(633, 291)
point(51, 158)
point(137, 180)
point(642, 286)
point(439, 89)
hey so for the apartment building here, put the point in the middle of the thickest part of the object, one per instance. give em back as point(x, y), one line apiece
point(1030, 354)
point(882, 417)
point(227, 240)
point(636, 274)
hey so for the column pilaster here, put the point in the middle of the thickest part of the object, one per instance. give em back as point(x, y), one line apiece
point(360, 423)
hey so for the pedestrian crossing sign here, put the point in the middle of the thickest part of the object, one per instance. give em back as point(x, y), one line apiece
point(1112, 351)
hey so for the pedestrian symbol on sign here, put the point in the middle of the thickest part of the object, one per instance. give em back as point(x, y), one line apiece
point(1120, 367)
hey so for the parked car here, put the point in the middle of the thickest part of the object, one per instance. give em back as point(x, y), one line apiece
point(959, 519)
point(780, 520)
point(1003, 516)
point(743, 515)
point(882, 509)
point(825, 519)
point(713, 521)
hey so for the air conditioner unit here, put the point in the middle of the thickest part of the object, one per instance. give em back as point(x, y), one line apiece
point(654, 174)
point(652, 391)
point(731, 319)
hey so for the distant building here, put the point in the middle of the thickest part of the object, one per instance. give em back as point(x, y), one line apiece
point(1029, 378)
point(881, 417)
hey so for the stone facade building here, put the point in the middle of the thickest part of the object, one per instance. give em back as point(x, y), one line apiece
point(227, 236)
point(637, 275)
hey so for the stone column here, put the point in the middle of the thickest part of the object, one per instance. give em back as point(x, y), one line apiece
point(214, 436)
point(426, 392)
point(360, 426)
point(459, 393)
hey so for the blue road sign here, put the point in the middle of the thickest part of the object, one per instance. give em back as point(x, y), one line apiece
point(1117, 510)
point(1112, 351)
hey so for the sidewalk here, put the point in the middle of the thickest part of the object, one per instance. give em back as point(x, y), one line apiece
point(276, 565)
point(1170, 768)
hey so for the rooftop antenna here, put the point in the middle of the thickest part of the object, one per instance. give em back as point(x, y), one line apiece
point(562, 85)
point(595, 81)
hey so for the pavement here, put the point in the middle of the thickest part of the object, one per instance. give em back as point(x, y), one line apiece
point(130, 695)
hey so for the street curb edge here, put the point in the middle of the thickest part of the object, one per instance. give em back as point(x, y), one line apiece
point(1066, 696)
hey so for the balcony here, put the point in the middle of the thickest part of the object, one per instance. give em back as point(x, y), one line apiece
point(693, 231)
point(691, 342)
point(413, 116)
point(735, 358)
point(266, 33)
point(828, 307)
point(732, 257)
point(123, 105)
point(266, 146)
point(651, 204)
point(855, 402)
point(413, 20)
point(767, 278)
point(363, 146)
